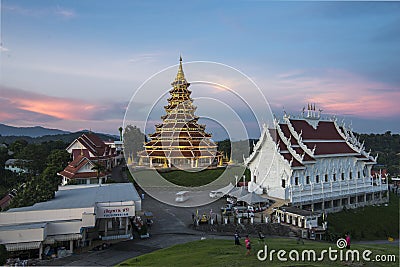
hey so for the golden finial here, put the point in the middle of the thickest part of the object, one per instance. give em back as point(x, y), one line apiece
point(180, 76)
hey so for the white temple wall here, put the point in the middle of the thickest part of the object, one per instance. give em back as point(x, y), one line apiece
point(268, 169)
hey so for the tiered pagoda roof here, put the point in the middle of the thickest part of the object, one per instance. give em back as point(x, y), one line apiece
point(180, 136)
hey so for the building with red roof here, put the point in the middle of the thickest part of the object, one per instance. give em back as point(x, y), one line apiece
point(315, 164)
point(92, 160)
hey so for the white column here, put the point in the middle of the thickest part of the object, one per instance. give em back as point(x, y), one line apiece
point(126, 225)
point(105, 227)
point(71, 246)
point(40, 250)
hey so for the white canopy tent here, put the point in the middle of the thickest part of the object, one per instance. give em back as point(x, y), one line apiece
point(252, 198)
point(239, 192)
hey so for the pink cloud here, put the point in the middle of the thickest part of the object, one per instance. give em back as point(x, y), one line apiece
point(338, 92)
point(22, 108)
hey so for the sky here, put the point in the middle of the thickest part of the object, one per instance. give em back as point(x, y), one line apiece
point(75, 65)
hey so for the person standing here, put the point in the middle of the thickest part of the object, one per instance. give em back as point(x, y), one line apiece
point(237, 242)
point(248, 245)
point(348, 241)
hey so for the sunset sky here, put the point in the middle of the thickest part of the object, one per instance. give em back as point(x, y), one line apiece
point(76, 64)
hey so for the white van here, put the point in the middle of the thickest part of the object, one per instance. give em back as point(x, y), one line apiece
point(182, 196)
point(216, 194)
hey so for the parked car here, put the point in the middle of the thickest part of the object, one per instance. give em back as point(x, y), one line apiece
point(231, 200)
point(227, 207)
point(216, 194)
point(182, 196)
point(244, 214)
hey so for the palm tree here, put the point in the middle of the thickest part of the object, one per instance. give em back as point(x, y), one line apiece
point(98, 167)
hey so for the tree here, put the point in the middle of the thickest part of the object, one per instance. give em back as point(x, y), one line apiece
point(58, 158)
point(99, 168)
point(120, 133)
point(133, 141)
point(3, 254)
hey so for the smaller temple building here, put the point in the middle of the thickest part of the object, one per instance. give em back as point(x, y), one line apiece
point(92, 160)
point(74, 218)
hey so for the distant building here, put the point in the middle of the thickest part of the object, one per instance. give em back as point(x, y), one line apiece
point(314, 164)
point(81, 171)
point(88, 153)
point(17, 165)
point(74, 218)
point(93, 148)
point(119, 150)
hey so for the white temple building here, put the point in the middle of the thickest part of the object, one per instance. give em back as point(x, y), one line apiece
point(314, 164)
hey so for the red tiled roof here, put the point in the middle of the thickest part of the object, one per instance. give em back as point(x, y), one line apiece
point(289, 157)
point(95, 145)
point(326, 130)
point(326, 148)
point(72, 170)
point(300, 151)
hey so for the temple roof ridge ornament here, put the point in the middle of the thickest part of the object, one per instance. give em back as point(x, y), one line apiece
point(311, 115)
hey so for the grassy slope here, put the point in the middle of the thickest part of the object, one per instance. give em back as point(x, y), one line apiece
point(184, 178)
point(368, 223)
point(187, 178)
point(224, 253)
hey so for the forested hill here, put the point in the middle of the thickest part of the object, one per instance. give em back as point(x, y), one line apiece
point(387, 146)
point(36, 131)
point(66, 138)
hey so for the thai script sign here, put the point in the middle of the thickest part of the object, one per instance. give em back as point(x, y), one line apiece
point(113, 211)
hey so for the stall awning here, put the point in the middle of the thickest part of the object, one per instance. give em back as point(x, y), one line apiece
point(59, 238)
point(23, 246)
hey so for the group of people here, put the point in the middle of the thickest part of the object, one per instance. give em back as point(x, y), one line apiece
point(246, 241)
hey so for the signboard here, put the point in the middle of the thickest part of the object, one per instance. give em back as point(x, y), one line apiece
point(115, 211)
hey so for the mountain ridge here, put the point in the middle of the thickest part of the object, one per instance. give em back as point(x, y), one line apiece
point(32, 131)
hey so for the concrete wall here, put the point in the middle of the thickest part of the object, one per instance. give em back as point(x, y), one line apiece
point(22, 235)
point(19, 217)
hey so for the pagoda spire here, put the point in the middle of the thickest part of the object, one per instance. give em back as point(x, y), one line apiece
point(180, 76)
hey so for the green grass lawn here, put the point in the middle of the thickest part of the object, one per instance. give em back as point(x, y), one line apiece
point(185, 178)
point(215, 252)
point(368, 223)
point(191, 178)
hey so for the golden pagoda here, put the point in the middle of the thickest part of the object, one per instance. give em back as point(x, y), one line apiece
point(179, 141)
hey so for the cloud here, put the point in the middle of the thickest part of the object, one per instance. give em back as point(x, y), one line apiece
point(336, 92)
point(3, 49)
point(144, 57)
point(65, 13)
point(20, 107)
point(58, 11)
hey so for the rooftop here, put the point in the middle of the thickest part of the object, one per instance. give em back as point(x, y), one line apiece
point(82, 196)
